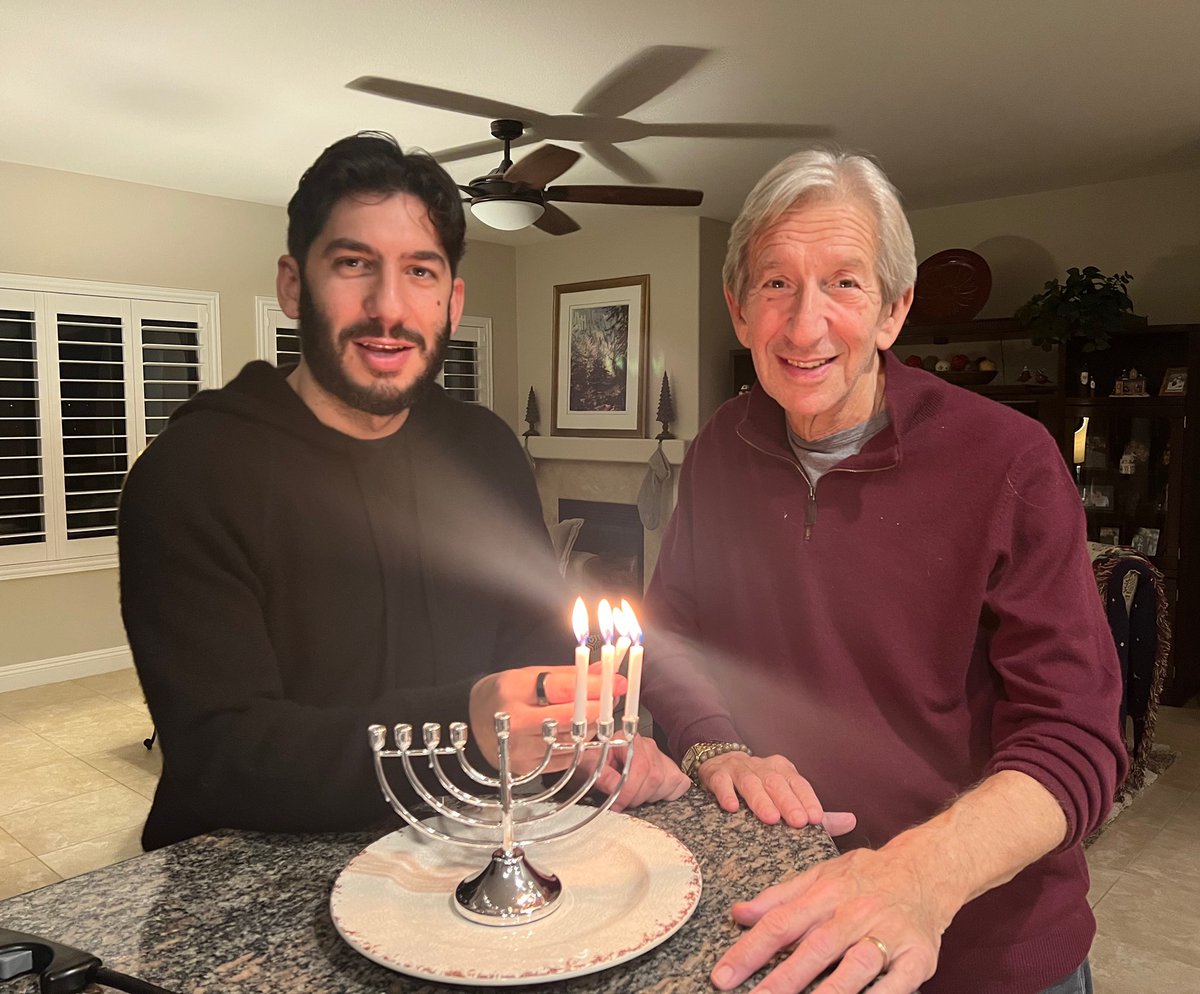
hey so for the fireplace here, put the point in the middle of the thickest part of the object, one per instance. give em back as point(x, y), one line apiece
point(613, 534)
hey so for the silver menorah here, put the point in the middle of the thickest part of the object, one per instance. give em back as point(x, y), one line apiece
point(509, 890)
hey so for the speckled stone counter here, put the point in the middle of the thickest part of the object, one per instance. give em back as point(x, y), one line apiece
point(244, 913)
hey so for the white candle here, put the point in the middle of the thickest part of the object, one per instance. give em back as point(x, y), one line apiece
point(607, 661)
point(633, 693)
point(579, 621)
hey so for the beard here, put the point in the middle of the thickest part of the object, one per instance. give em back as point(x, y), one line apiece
point(322, 350)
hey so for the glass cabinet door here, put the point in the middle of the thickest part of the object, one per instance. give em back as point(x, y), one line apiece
point(1122, 465)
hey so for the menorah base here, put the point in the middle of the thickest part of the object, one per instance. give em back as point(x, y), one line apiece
point(508, 891)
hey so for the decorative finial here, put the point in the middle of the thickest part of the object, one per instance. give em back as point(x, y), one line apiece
point(666, 410)
point(531, 414)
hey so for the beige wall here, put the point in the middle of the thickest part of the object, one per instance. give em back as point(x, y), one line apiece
point(664, 246)
point(1149, 226)
point(716, 330)
point(490, 272)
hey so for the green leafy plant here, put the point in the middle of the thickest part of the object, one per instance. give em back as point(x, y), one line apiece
point(1087, 305)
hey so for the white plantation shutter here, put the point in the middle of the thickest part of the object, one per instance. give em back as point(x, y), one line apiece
point(87, 380)
point(22, 494)
point(91, 341)
point(278, 339)
point(467, 371)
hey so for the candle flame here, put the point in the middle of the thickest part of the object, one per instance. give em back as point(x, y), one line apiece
point(604, 616)
point(579, 621)
point(619, 622)
point(632, 629)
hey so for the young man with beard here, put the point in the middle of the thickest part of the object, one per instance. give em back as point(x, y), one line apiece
point(310, 550)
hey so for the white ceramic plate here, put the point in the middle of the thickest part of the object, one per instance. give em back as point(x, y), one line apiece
point(627, 886)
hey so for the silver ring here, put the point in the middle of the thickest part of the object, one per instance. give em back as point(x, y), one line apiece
point(539, 688)
point(882, 947)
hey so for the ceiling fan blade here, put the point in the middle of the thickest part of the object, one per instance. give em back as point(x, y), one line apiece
point(432, 96)
point(619, 162)
point(556, 222)
point(702, 130)
point(473, 149)
point(639, 196)
point(542, 165)
point(645, 75)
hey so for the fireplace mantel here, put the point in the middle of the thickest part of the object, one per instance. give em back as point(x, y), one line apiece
point(635, 450)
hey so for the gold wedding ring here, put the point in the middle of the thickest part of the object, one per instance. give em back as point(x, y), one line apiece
point(882, 947)
point(539, 688)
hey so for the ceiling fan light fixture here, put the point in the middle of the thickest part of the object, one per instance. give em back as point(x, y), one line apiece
point(506, 214)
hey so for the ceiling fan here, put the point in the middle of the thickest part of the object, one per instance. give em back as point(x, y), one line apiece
point(514, 196)
point(597, 123)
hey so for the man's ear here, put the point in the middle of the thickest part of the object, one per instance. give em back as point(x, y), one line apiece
point(457, 298)
point(287, 286)
point(737, 316)
point(892, 320)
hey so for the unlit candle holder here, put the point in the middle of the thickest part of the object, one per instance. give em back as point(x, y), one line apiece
point(509, 890)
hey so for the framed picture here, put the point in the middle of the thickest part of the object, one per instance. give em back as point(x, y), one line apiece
point(1174, 383)
point(1110, 536)
point(1145, 541)
point(1096, 497)
point(600, 349)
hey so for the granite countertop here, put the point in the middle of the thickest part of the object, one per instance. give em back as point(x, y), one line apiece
point(247, 913)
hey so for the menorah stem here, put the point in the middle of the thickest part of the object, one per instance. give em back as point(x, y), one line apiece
point(506, 826)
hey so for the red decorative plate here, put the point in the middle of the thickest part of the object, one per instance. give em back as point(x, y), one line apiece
point(951, 286)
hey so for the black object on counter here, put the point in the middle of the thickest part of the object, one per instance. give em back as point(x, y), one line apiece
point(61, 969)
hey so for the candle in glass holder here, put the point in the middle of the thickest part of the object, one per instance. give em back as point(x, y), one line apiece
point(579, 621)
point(608, 657)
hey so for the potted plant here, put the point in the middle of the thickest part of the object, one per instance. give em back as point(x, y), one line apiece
point(1087, 305)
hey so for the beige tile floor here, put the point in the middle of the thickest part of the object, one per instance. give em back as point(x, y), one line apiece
point(76, 783)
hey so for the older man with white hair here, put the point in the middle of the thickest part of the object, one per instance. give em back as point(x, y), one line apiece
point(882, 618)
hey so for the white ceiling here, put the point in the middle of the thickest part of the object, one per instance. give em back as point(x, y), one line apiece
point(959, 101)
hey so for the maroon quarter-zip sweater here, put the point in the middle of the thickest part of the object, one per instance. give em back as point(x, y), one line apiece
point(922, 618)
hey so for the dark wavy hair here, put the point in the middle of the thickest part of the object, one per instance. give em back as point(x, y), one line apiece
point(372, 162)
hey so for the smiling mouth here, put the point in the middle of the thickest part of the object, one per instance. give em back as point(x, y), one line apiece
point(806, 363)
point(389, 348)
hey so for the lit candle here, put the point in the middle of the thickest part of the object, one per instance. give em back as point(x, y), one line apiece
point(607, 660)
point(623, 640)
point(579, 620)
point(633, 693)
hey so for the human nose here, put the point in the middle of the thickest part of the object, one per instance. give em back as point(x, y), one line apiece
point(388, 299)
point(805, 318)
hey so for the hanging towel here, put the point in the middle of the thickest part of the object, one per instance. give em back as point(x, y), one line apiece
point(650, 497)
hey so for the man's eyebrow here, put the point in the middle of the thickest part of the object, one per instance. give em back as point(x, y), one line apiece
point(353, 245)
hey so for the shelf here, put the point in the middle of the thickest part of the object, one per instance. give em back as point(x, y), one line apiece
point(1139, 406)
point(979, 330)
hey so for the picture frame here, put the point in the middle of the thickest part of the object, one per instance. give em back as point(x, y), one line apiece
point(1097, 498)
point(1110, 536)
point(601, 344)
point(1174, 383)
point(1145, 541)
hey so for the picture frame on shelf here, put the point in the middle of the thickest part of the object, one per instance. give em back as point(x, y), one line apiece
point(1174, 382)
point(601, 344)
point(1096, 497)
point(1145, 541)
point(1110, 536)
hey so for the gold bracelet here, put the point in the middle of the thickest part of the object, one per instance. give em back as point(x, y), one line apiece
point(700, 752)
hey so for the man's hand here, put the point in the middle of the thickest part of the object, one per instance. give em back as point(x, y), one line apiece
point(652, 775)
point(832, 912)
point(771, 788)
point(515, 692)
